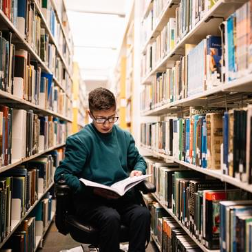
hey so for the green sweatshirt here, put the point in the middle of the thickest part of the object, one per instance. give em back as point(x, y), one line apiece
point(102, 158)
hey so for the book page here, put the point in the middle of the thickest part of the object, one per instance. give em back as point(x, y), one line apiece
point(119, 187)
point(128, 183)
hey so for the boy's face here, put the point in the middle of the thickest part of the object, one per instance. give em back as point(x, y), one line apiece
point(107, 126)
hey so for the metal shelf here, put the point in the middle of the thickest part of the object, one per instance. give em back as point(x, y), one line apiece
point(184, 228)
point(51, 36)
point(15, 101)
point(14, 225)
point(22, 43)
point(39, 239)
point(210, 172)
point(147, 9)
point(203, 99)
point(168, 10)
point(208, 25)
point(7, 167)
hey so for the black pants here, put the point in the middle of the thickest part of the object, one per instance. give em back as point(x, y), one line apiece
point(108, 215)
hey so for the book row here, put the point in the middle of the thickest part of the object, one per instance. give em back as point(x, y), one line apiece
point(27, 15)
point(22, 186)
point(199, 70)
point(32, 228)
point(24, 78)
point(196, 202)
point(209, 138)
point(169, 235)
point(24, 133)
point(186, 15)
point(214, 61)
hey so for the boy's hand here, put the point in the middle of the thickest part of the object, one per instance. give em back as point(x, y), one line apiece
point(135, 173)
point(105, 193)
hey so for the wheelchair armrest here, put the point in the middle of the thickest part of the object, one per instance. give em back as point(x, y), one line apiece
point(146, 187)
point(63, 202)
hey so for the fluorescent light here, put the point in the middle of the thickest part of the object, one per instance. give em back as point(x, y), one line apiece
point(94, 77)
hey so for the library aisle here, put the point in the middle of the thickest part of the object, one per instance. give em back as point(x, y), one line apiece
point(55, 242)
point(181, 75)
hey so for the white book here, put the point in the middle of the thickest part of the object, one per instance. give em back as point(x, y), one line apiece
point(120, 187)
point(18, 87)
point(18, 134)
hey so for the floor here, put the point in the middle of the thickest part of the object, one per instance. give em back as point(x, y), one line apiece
point(56, 242)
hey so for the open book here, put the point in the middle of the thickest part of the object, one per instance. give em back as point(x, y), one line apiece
point(120, 187)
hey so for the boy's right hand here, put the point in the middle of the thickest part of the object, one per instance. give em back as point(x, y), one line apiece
point(105, 193)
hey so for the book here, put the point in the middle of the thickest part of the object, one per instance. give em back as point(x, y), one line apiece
point(120, 187)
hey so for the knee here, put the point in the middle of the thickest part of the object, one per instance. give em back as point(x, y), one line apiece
point(142, 214)
point(112, 217)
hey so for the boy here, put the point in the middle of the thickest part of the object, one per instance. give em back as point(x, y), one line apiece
point(104, 153)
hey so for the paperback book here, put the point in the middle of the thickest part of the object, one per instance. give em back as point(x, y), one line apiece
point(120, 187)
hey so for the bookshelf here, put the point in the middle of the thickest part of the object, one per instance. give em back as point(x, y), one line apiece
point(36, 104)
point(79, 99)
point(168, 93)
point(124, 74)
point(15, 224)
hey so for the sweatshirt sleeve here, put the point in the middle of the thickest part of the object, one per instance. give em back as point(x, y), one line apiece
point(71, 166)
point(134, 159)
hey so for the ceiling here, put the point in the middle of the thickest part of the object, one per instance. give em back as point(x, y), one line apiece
point(97, 27)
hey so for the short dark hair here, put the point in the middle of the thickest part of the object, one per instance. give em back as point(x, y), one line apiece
point(101, 99)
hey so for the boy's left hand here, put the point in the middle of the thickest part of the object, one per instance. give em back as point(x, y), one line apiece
point(135, 173)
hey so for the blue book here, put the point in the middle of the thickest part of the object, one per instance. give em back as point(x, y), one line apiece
point(245, 210)
point(214, 55)
point(21, 16)
point(38, 212)
point(204, 144)
point(14, 12)
point(55, 156)
point(231, 64)
point(224, 205)
point(49, 78)
point(196, 118)
point(19, 192)
point(188, 122)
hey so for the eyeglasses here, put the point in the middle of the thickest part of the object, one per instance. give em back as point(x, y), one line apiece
point(102, 120)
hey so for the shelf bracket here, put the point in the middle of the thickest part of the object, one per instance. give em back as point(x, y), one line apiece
point(174, 54)
point(213, 17)
point(172, 4)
